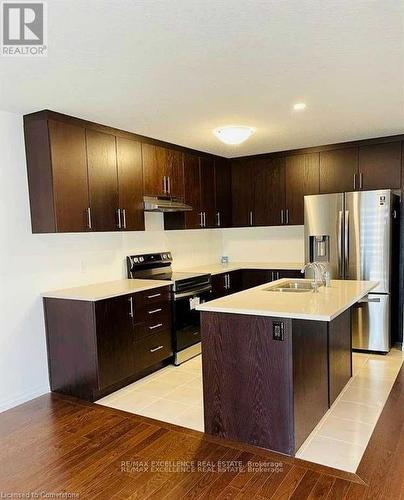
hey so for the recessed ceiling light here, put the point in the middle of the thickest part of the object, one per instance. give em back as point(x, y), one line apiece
point(299, 106)
point(233, 134)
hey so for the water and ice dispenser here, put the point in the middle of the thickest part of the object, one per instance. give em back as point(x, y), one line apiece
point(319, 248)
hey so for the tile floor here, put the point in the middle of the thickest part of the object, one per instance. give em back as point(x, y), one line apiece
point(174, 395)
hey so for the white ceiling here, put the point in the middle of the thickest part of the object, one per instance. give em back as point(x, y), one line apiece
point(176, 69)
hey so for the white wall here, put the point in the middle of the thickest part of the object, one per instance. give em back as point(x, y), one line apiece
point(32, 263)
point(263, 244)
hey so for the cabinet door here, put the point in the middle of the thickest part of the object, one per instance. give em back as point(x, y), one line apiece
point(175, 169)
point(380, 166)
point(235, 281)
point(208, 191)
point(255, 277)
point(222, 192)
point(154, 170)
point(241, 192)
point(114, 326)
point(219, 285)
point(103, 180)
point(192, 191)
point(269, 191)
point(130, 181)
point(301, 178)
point(338, 170)
point(69, 174)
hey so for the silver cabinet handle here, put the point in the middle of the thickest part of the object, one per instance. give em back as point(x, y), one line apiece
point(218, 219)
point(346, 243)
point(119, 218)
point(157, 348)
point(201, 219)
point(272, 276)
point(124, 217)
point(89, 221)
point(226, 286)
point(131, 314)
point(287, 216)
point(155, 326)
point(228, 281)
point(204, 219)
point(251, 218)
point(153, 296)
point(155, 311)
point(169, 185)
point(339, 243)
point(278, 276)
point(360, 180)
point(282, 217)
point(164, 184)
point(354, 181)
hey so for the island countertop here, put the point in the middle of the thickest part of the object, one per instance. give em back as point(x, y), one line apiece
point(105, 290)
point(325, 305)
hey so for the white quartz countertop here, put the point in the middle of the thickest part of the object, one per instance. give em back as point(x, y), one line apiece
point(106, 290)
point(217, 268)
point(325, 305)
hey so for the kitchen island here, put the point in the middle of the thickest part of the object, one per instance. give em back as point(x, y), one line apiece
point(275, 360)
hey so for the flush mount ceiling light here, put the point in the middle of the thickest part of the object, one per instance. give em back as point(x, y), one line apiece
point(299, 106)
point(233, 134)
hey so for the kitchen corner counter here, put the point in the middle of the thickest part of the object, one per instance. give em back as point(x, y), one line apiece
point(105, 290)
point(217, 268)
point(325, 305)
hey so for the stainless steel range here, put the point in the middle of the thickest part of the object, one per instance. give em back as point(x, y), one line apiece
point(188, 290)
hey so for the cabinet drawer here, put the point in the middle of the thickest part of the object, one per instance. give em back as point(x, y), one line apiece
point(152, 313)
point(152, 297)
point(155, 324)
point(152, 349)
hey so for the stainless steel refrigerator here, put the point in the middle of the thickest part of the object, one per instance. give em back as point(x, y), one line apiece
point(352, 233)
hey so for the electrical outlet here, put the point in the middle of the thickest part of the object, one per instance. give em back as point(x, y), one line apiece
point(278, 330)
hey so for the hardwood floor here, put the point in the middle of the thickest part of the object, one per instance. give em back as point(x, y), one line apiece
point(56, 444)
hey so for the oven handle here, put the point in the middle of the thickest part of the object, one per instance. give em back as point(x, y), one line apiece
point(192, 293)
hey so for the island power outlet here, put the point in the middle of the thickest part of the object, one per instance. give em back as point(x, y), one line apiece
point(278, 330)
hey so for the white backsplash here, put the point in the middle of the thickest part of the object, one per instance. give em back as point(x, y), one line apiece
point(262, 244)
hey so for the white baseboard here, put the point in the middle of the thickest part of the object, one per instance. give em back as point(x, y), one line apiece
point(6, 404)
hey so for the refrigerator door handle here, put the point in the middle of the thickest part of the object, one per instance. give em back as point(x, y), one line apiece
point(340, 231)
point(346, 244)
point(368, 299)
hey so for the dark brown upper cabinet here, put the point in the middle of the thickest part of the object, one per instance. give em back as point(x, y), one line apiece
point(207, 169)
point(57, 175)
point(380, 166)
point(268, 192)
point(163, 173)
point(223, 202)
point(192, 187)
point(301, 179)
point(103, 181)
point(242, 192)
point(339, 170)
point(130, 185)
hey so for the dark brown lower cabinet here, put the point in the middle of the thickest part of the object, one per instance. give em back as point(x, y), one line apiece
point(226, 283)
point(94, 348)
point(255, 277)
point(266, 389)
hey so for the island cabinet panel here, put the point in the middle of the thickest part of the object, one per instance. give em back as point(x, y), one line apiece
point(339, 170)
point(340, 354)
point(247, 397)
point(130, 183)
point(310, 376)
point(103, 180)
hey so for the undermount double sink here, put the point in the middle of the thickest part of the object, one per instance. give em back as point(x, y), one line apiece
point(301, 286)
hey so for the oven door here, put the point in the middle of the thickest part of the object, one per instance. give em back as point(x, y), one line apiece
point(186, 320)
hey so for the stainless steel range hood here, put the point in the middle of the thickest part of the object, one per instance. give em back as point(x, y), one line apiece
point(164, 204)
